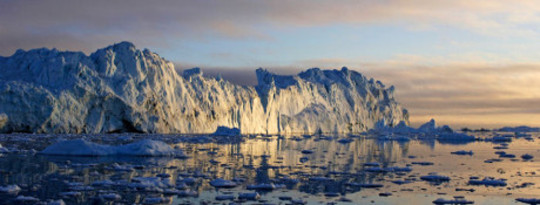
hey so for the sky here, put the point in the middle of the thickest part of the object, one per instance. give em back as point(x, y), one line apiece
point(465, 63)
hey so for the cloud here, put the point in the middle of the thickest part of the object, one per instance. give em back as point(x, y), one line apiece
point(85, 25)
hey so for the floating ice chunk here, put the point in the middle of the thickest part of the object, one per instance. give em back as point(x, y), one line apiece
point(298, 202)
point(455, 137)
point(452, 201)
point(435, 178)
point(492, 160)
point(149, 183)
point(188, 193)
point(428, 127)
point(3, 149)
point(306, 151)
point(226, 131)
point(26, 199)
point(400, 182)
point(423, 163)
point(171, 191)
point(532, 201)
point(187, 181)
point(156, 200)
point(249, 196)
point(385, 194)
point(70, 194)
point(148, 148)
point(110, 196)
point(402, 128)
point(222, 183)
point(121, 168)
point(463, 189)
point(526, 157)
point(520, 129)
point(57, 202)
point(80, 147)
point(463, 152)
point(10, 189)
point(399, 169)
point(501, 139)
point(488, 181)
point(506, 155)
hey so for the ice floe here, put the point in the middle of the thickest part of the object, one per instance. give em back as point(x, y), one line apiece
point(81, 147)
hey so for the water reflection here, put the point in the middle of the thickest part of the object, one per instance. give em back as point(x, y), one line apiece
point(332, 170)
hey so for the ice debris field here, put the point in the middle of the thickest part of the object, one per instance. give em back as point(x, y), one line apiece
point(400, 165)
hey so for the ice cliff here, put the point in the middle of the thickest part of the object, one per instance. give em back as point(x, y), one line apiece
point(122, 89)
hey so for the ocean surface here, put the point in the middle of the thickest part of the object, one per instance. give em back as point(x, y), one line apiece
point(356, 169)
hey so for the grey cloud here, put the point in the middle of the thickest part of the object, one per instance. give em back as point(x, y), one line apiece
point(157, 23)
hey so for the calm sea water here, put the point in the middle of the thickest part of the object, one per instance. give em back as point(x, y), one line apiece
point(332, 173)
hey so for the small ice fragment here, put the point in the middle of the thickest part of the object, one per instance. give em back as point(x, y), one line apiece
point(156, 200)
point(249, 196)
point(452, 201)
point(526, 157)
point(222, 183)
point(307, 151)
point(26, 199)
point(423, 163)
point(435, 178)
point(331, 194)
point(111, 196)
point(385, 194)
point(10, 189)
point(488, 181)
point(463, 152)
point(532, 201)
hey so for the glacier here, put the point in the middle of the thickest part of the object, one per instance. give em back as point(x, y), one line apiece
point(120, 88)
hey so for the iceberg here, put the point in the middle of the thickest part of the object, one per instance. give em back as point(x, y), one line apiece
point(120, 88)
point(519, 129)
point(428, 130)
